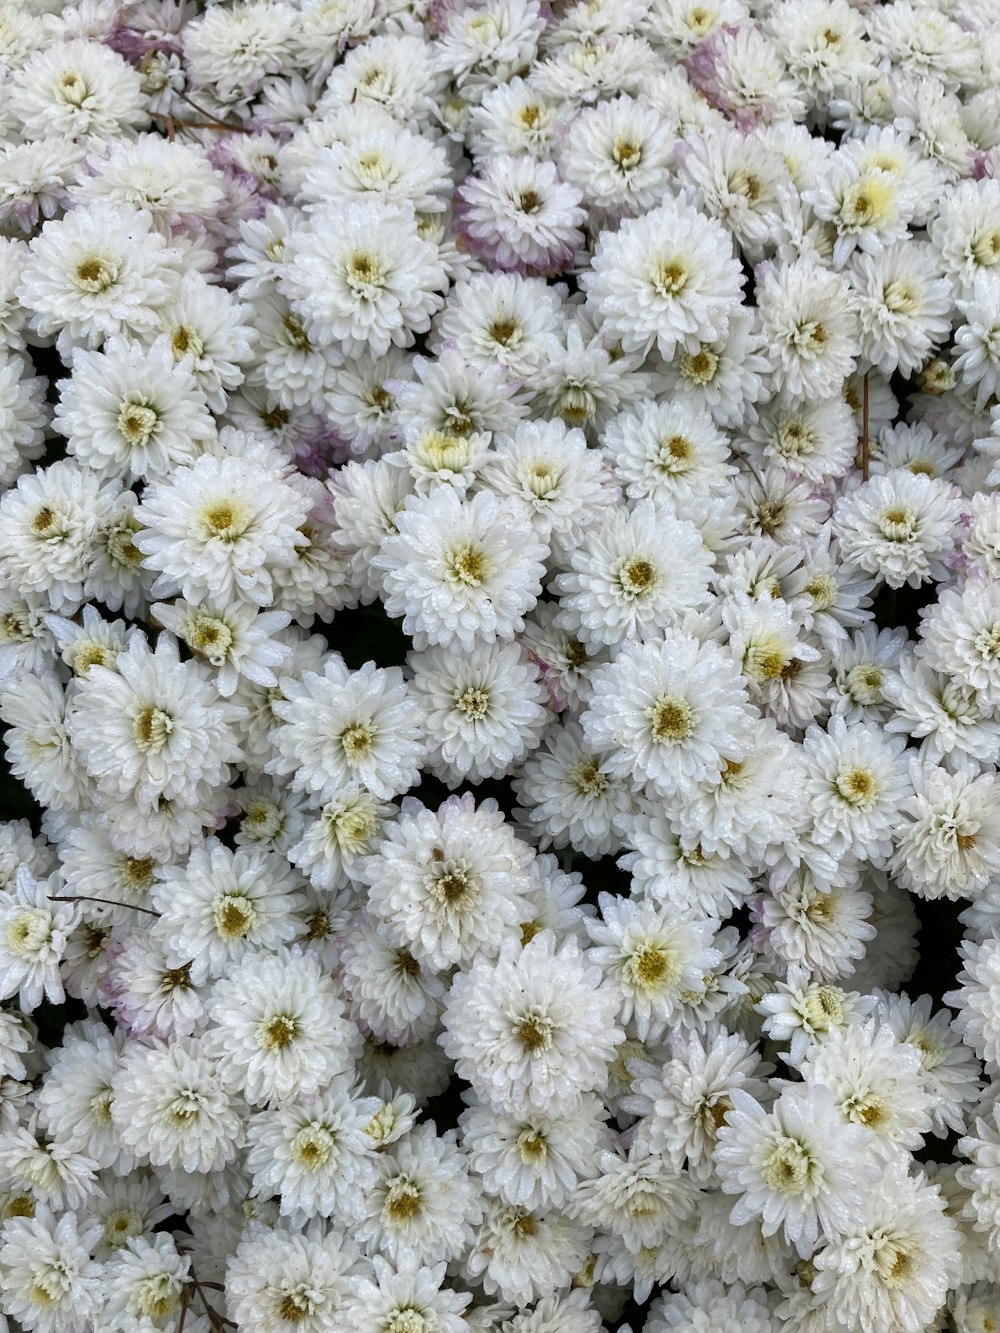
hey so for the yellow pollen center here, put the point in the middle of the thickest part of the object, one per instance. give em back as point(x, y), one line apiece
point(402, 1202)
point(637, 577)
point(669, 278)
point(95, 275)
point(701, 366)
point(235, 916)
point(151, 729)
point(467, 565)
point(857, 785)
point(356, 741)
point(534, 1032)
point(671, 718)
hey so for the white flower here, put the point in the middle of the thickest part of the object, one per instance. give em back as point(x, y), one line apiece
point(98, 271)
point(345, 727)
point(855, 784)
point(809, 327)
point(797, 1167)
point(222, 905)
point(145, 1281)
point(368, 284)
point(636, 573)
point(220, 529)
point(151, 728)
point(619, 154)
point(655, 958)
point(236, 639)
point(483, 711)
point(49, 1281)
point(171, 1108)
point(517, 215)
point(961, 637)
point(34, 933)
point(450, 884)
point(949, 844)
point(519, 1254)
point(423, 1205)
point(668, 277)
point(77, 88)
point(978, 362)
point(534, 1030)
point(890, 1269)
point(673, 711)
point(277, 1281)
point(407, 1294)
point(459, 571)
point(903, 306)
point(667, 451)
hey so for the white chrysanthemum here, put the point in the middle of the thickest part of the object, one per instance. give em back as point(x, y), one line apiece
point(76, 88)
point(74, 1101)
point(785, 674)
point(961, 637)
point(548, 468)
point(171, 1108)
point(565, 797)
point(461, 571)
point(686, 1100)
point(673, 711)
point(533, 1030)
point(152, 727)
point(965, 231)
point(219, 529)
point(370, 284)
point(392, 996)
point(534, 1160)
point(451, 883)
point(518, 1254)
point(280, 1028)
point(146, 1281)
point(903, 306)
point(876, 1082)
point(619, 153)
point(855, 784)
point(49, 526)
point(49, 1281)
point(500, 318)
point(210, 330)
point(977, 999)
point(978, 339)
point(23, 415)
point(280, 1282)
point(98, 271)
point(668, 277)
point(518, 216)
point(238, 640)
point(798, 1167)
point(223, 905)
point(809, 327)
point(733, 1306)
point(899, 526)
point(347, 828)
point(423, 1205)
point(667, 451)
point(34, 934)
point(345, 727)
point(636, 573)
point(809, 920)
point(950, 1071)
point(173, 181)
point(483, 712)
point(891, 1268)
point(949, 843)
point(396, 1297)
point(654, 956)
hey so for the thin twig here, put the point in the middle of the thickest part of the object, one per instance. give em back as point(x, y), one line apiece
point(864, 428)
point(108, 902)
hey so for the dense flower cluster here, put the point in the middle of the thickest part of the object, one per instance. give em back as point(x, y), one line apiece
point(500, 627)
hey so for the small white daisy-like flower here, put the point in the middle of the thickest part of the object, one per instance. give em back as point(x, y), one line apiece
point(948, 844)
point(450, 884)
point(369, 284)
point(960, 633)
point(978, 339)
point(654, 957)
point(392, 995)
point(50, 1282)
point(534, 1030)
point(667, 278)
point(152, 727)
point(808, 919)
point(565, 796)
point(347, 828)
point(171, 1108)
point(459, 571)
point(280, 1281)
point(222, 905)
point(674, 711)
point(890, 1269)
point(345, 727)
point(98, 271)
point(220, 528)
point(798, 1167)
point(667, 451)
point(809, 327)
point(34, 933)
point(855, 784)
point(637, 572)
point(395, 1296)
point(620, 154)
point(518, 216)
point(899, 526)
point(145, 1280)
point(519, 1255)
point(483, 711)
point(77, 88)
point(238, 640)
point(279, 1028)
point(423, 1205)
